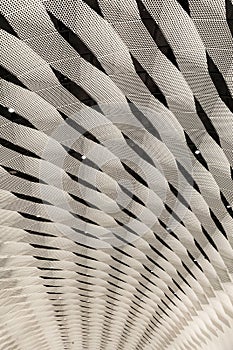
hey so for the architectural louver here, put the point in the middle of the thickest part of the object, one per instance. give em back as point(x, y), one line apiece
point(116, 192)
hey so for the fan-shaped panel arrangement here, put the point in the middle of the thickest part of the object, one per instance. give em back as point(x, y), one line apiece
point(116, 193)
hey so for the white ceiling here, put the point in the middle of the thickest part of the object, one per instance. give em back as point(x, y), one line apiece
point(116, 175)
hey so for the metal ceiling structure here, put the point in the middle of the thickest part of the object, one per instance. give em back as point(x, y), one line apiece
point(116, 195)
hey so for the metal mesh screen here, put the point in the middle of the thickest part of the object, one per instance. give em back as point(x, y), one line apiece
point(116, 221)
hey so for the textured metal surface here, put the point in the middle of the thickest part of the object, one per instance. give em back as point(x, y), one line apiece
point(116, 220)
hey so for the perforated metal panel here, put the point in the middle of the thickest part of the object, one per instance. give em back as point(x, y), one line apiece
point(116, 194)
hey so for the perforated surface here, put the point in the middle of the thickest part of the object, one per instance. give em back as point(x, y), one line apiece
point(116, 220)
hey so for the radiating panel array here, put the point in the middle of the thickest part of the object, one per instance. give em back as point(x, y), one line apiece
point(116, 192)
